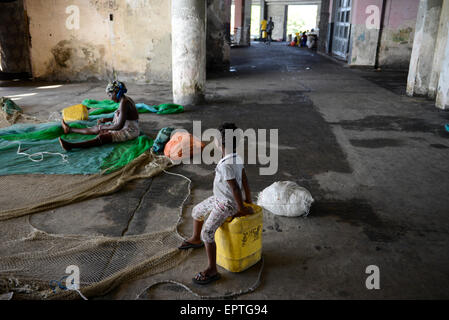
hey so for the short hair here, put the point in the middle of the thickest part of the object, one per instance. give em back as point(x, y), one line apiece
point(228, 126)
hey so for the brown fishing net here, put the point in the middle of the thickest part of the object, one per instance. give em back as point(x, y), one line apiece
point(31, 259)
point(44, 192)
point(11, 113)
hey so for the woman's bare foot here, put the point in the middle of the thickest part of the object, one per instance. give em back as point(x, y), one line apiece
point(65, 127)
point(65, 145)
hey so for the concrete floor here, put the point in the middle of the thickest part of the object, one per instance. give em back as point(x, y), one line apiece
point(375, 161)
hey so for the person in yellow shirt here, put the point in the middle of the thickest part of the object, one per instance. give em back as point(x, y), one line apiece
point(263, 30)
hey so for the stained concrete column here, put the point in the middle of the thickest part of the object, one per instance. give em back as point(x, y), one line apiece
point(318, 15)
point(246, 30)
point(440, 47)
point(188, 51)
point(365, 32)
point(239, 9)
point(323, 35)
point(442, 99)
point(263, 11)
point(421, 62)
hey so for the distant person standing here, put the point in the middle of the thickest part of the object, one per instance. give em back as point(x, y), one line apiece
point(270, 27)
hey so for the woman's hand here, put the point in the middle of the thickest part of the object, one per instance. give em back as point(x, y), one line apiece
point(100, 121)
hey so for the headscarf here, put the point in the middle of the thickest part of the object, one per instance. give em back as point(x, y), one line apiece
point(117, 87)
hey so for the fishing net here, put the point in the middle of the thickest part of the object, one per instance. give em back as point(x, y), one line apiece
point(37, 175)
point(11, 113)
point(36, 149)
point(29, 263)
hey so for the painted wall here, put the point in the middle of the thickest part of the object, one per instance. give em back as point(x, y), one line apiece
point(364, 39)
point(136, 44)
point(398, 34)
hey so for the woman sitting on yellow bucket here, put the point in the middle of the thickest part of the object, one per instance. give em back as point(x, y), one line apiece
point(227, 201)
point(124, 125)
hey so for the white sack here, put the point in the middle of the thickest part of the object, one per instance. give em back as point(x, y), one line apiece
point(286, 198)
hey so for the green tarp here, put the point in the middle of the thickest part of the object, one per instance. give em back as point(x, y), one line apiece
point(43, 138)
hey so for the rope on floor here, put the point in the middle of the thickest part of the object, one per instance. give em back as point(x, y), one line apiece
point(41, 154)
point(188, 289)
point(217, 297)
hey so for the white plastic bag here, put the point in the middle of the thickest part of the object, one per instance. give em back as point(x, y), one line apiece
point(286, 198)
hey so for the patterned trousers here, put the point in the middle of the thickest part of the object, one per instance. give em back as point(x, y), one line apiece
point(219, 210)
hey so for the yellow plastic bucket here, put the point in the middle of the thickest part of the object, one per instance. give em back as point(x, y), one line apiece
point(74, 113)
point(239, 242)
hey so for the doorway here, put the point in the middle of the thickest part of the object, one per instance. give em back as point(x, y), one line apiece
point(14, 38)
point(342, 29)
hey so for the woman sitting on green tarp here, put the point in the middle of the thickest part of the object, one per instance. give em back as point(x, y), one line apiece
point(124, 127)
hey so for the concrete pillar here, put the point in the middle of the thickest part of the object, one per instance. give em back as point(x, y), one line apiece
point(188, 51)
point(421, 62)
point(218, 47)
point(442, 99)
point(279, 14)
point(364, 39)
point(239, 10)
point(242, 22)
point(246, 30)
point(324, 26)
point(318, 16)
point(440, 46)
point(263, 11)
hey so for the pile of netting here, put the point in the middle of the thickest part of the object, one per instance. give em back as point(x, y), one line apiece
point(29, 263)
point(37, 175)
point(11, 113)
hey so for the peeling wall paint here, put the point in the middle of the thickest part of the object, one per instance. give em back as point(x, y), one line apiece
point(397, 35)
point(364, 40)
point(129, 37)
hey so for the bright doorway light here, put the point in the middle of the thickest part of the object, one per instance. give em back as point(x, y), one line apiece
point(301, 18)
point(255, 21)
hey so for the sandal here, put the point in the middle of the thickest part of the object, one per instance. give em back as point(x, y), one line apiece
point(206, 279)
point(187, 245)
